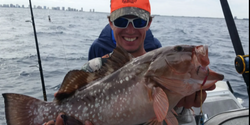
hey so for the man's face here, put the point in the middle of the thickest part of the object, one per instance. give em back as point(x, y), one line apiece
point(130, 39)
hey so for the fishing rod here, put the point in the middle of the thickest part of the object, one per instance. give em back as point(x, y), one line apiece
point(241, 60)
point(38, 54)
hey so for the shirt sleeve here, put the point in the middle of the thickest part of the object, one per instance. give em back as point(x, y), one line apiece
point(157, 42)
point(95, 63)
point(92, 65)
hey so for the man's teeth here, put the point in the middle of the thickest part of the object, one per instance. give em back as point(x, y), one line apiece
point(129, 39)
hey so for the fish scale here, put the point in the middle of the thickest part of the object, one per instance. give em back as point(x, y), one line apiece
point(112, 100)
point(142, 90)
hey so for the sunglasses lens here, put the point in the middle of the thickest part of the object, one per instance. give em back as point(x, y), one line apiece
point(139, 23)
point(121, 22)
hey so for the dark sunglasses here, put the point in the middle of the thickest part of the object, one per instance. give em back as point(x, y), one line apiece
point(137, 23)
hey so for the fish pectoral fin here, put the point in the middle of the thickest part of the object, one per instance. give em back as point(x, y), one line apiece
point(160, 103)
point(174, 112)
point(171, 119)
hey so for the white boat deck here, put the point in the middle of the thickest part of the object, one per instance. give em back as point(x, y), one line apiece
point(217, 102)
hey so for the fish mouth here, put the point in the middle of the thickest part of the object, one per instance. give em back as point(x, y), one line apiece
point(203, 71)
point(208, 75)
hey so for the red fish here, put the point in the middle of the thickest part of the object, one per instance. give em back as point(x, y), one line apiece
point(145, 89)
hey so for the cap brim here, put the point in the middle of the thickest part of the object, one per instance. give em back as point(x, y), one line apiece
point(129, 11)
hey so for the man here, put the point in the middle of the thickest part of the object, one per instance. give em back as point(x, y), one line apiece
point(130, 20)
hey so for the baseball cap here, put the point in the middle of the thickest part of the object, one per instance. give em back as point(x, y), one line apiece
point(140, 8)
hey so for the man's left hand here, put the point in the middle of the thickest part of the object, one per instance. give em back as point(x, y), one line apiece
point(195, 99)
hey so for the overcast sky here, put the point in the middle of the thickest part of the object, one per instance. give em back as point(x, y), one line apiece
point(201, 8)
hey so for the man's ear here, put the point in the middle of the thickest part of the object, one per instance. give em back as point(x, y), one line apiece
point(111, 24)
point(149, 24)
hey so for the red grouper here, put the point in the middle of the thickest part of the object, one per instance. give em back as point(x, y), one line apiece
point(144, 90)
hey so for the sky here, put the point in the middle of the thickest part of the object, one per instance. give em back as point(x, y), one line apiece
point(194, 8)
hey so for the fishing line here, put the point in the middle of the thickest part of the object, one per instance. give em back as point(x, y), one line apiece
point(56, 31)
point(191, 113)
point(53, 22)
point(63, 45)
point(201, 119)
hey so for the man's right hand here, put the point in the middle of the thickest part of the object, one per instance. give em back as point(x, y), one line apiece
point(61, 119)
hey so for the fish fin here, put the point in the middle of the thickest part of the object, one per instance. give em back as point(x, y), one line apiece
point(171, 119)
point(174, 112)
point(160, 103)
point(76, 79)
point(18, 109)
point(118, 59)
point(73, 80)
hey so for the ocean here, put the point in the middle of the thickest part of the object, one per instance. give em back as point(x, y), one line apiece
point(64, 43)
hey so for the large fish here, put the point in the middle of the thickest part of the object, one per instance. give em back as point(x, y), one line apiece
point(145, 89)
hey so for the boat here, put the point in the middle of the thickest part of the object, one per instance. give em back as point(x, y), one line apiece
point(221, 107)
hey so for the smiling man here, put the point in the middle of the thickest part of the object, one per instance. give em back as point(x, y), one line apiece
point(130, 20)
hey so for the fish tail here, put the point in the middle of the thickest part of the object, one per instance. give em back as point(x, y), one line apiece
point(21, 109)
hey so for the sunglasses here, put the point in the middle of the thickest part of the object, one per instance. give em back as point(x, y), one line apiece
point(137, 23)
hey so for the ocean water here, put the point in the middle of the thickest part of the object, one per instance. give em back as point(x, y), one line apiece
point(64, 43)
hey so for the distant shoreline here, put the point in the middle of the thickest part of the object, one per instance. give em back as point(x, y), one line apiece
point(154, 15)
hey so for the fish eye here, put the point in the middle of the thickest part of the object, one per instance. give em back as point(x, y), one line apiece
point(178, 48)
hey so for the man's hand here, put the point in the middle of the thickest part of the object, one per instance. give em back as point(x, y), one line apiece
point(194, 100)
point(60, 120)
